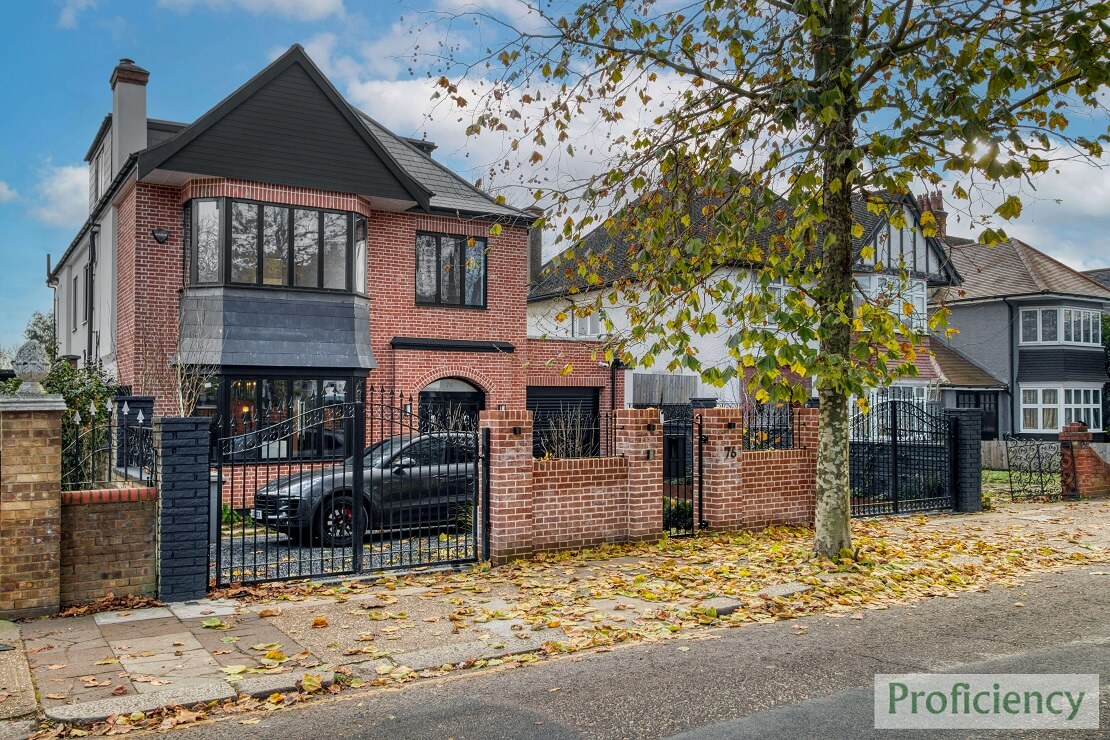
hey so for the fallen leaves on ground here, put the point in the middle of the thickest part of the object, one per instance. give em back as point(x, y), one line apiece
point(110, 603)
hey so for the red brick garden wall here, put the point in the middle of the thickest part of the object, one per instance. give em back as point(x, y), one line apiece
point(108, 544)
point(579, 502)
point(1092, 473)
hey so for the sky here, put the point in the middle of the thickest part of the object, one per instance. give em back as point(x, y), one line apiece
point(58, 55)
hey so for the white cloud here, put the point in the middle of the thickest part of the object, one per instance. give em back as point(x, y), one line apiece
point(62, 196)
point(300, 10)
point(67, 18)
point(7, 192)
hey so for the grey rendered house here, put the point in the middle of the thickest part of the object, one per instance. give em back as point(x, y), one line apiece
point(1028, 351)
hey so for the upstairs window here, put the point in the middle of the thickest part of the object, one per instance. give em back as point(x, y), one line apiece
point(273, 245)
point(1055, 325)
point(587, 327)
point(450, 270)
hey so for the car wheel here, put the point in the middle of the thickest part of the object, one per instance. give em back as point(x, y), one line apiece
point(300, 537)
point(335, 522)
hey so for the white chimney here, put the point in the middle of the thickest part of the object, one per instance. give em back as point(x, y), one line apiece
point(128, 111)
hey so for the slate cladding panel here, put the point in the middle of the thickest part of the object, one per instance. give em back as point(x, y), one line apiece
point(1054, 364)
point(289, 132)
point(275, 328)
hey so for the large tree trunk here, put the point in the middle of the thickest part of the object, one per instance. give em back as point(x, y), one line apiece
point(832, 520)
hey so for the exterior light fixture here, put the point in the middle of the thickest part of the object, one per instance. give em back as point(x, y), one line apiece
point(500, 407)
point(160, 235)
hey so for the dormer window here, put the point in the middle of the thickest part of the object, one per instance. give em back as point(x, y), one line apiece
point(241, 242)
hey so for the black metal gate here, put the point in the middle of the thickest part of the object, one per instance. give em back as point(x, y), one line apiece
point(345, 488)
point(1039, 470)
point(683, 445)
point(901, 459)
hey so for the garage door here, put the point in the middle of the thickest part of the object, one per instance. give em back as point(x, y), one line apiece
point(565, 421)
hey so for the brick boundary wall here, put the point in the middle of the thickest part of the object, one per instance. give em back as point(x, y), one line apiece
point(579, 502)
point(183, 520)
point(108, 544)
point(754, 489)
point(1092, 473)
point(30, 505)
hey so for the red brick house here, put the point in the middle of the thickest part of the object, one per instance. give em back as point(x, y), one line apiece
point(288, 245)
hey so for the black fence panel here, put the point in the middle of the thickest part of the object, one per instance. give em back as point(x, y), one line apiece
point(900, 460)
point(572, 432)
point(106, 446)
point(769, 427)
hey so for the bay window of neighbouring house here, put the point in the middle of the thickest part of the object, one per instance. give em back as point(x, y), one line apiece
point(450, 270)
point(247, 243)
point(1048, 409)
point(1056, 325)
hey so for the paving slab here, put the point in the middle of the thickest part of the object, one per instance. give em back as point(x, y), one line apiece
point(16, 729)
point(95, 711)
point(124, 631)
point(136, 615)
point(204, 608)
point(15, 677)
point(144, 647)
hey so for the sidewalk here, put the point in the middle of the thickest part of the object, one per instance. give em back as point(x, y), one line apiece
point(401, 628)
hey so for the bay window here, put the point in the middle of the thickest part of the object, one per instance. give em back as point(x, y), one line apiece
point(1055, 325)
point(275, 245)
point(1048, 409)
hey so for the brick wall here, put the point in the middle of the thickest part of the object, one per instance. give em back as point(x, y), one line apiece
point(30, 476)
point(1092, 473)
point(753, 489)
point(579, 502)
point(108, 543)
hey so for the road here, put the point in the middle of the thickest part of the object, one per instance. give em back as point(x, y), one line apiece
point(799, 679)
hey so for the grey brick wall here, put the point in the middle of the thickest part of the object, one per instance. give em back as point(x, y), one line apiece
point(184, 503)
point(968, 453)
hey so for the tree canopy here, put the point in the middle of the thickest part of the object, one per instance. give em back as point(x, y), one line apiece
point(732, 120)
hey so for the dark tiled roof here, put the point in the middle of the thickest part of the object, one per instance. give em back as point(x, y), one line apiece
point(1013, 268)
point(1101, 276)
point(612, 259)
point(449, 191)
point(959, 371)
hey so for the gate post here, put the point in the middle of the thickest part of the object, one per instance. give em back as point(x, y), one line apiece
point(184, 501)
point(509, 493)
point(640, 441)
point(720, 470)
point(967, 458)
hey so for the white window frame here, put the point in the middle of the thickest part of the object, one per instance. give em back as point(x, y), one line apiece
point(1066, 407)
point(586, 327)
point(1069, 320)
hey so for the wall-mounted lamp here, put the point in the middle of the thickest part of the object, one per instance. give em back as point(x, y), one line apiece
point(408, 408)
point(731, 425)
point(517, 430)
point(160, 235)
point(651, 427)
point(650, 454)
point(500, 407)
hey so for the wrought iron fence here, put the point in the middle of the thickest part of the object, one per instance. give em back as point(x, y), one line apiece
point(769, 427)
point(1035, 468)
point(106, 446)
point(572, 433)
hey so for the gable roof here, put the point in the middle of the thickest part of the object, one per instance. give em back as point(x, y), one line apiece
point(1014, 268)
point(615, 257)
point(959, 371)
point(287, 124)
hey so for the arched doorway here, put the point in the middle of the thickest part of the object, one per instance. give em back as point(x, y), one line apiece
point(450, 403)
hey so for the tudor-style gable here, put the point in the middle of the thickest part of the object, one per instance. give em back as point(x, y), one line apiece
point(289, 126)
point(888, 248)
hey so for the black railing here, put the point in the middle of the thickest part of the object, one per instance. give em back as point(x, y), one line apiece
point(571, 433)
point(105, 446)
point(769, 427)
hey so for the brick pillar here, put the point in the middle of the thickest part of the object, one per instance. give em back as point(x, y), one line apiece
point(1091, 474)
point(183, 477)
point(30, 505)
point(511, 525)
point(968, 450)
point(805, 427)
point(640, 441)
point(721, 473)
